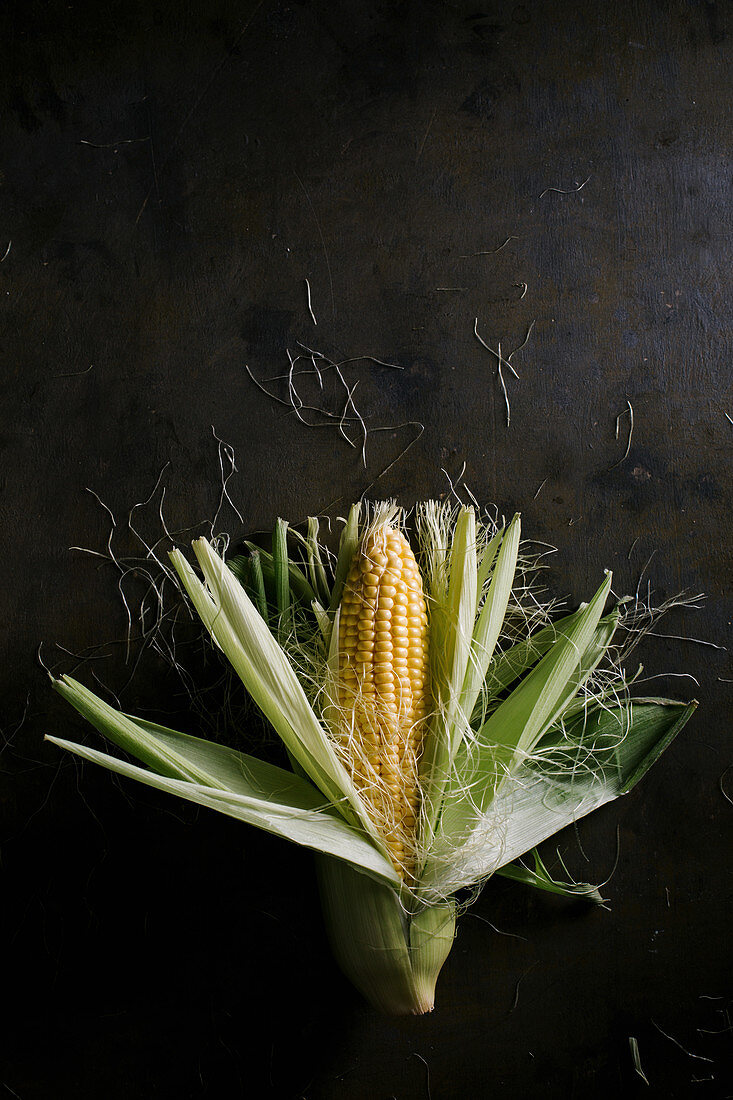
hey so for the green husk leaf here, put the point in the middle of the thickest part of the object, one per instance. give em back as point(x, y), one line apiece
point(519, 721)
point(258, 583)
point(510, 665)
point(331, 711)
point(460, 612)
point(432, 932)
point(129, 735)
point(541, 879)
point(366, 929)
point(348, 545)
point(266, 672)
point(239, 566)
point(299, 584)
point(392, 958)
point(183, 756)
point(491, 617)
point(452, 615)
point(616, 748)
point(593, 654)
point(487, 560)
point(635, 758)
point(324, 622)
point(230, 769)
point(514, 728)
point(248, 571)
point(281, 566)
point(316, 568)
point(315, 827)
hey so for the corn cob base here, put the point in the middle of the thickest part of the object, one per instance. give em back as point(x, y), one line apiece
point(392, 958)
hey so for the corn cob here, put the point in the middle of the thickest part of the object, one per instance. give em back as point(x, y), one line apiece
point(384, 691)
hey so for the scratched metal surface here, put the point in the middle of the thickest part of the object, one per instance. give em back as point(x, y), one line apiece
point(171, 175)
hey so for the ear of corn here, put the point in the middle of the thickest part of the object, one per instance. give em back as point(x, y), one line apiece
point(383, 684)
point(434, 739)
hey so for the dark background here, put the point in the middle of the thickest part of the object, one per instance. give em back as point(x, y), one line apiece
point(171, 173)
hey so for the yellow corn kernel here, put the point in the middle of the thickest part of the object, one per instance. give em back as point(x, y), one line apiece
point(384, 692)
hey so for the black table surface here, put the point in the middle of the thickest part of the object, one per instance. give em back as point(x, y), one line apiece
point(178, 182)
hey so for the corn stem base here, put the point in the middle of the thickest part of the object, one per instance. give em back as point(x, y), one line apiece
point(391, 956)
